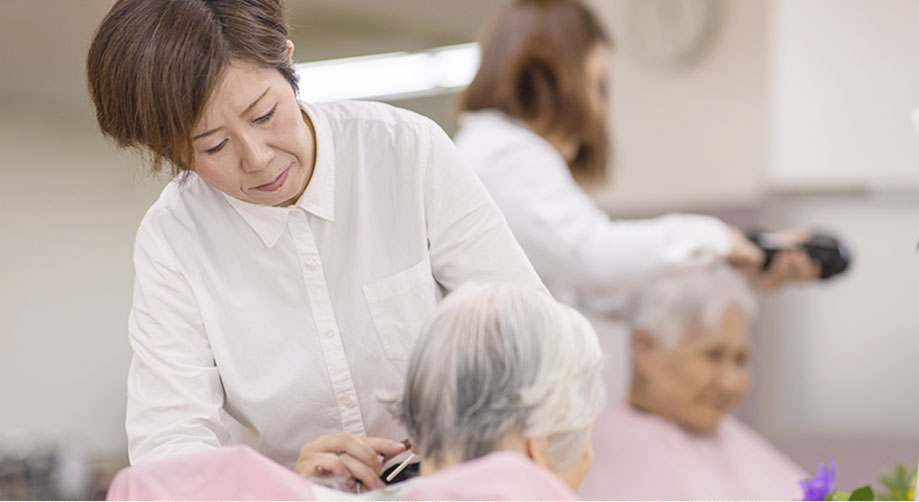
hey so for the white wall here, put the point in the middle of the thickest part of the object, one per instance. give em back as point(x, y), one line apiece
point(690, 137)
point(835, 365)
point(69, 207)
point(844, 77)
point(838, 360)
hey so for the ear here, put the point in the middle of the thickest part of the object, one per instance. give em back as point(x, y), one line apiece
point(644, 349)
point(290, 51)
point(535, 448)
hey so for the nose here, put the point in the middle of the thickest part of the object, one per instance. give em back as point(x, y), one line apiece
point(256, 152)
point(734, 380)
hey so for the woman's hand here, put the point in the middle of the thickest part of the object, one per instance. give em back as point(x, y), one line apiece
point(786, 266)
point(744, 255)
point(348, 457)
point(789, 265)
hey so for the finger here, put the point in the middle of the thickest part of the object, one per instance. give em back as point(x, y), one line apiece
point(323, 464)
point(352, 445)
point(766, 282)
point(772, 277)
point(743, 254)
point(815, 269)
point(368, 476)
point(790, 265)
point(750, 256)
point(797, 235)
point(358, 449)
point(785, 269)
point(800, 267)
point(744, 260)
point(321, 444)
point(783, 264)
point(385, 447)
point(807, 268)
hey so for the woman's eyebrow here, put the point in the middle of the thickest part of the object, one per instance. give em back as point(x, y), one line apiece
point(248, 108)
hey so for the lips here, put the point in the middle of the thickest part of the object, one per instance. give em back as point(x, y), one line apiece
point(724, 403)
point(276, 184)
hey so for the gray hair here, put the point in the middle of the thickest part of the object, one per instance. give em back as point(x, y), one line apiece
point(496, 359)
point(666, 308)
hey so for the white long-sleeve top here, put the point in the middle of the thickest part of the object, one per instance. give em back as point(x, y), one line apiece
point(584, 257)
point(271, 326)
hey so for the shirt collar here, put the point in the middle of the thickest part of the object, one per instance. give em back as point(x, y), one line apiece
point(318, 198)
point(489, 115)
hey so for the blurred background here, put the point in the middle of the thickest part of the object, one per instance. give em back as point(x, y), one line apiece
point(767, 113)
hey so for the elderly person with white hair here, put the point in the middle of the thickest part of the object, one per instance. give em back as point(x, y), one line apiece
point(502, 368)
point(503, 387)
point(676, 438)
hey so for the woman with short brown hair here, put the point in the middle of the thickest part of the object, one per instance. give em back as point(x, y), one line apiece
point(283, 275)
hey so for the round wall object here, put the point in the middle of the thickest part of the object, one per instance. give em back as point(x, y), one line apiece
point(671, 34)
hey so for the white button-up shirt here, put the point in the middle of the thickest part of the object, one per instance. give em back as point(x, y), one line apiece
point(271, 326)
point(584, 257)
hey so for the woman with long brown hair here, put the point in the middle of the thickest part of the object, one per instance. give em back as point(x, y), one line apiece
point(282, 277)
point(534, 127)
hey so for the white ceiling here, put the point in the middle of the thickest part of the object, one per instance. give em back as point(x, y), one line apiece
point(43, 43)
point(332, 28)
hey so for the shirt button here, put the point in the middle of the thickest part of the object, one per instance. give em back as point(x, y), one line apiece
point(310, 264)
point(348, 402)
point(328, 333)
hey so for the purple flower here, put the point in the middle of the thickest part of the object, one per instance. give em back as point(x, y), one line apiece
point(821, 485)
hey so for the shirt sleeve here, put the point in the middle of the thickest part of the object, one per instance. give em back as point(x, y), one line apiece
point(175, 394)
point(572, 242)
point(468, 236)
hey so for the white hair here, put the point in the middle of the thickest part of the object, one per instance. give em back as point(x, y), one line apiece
point(498, 359)
point(668, 307)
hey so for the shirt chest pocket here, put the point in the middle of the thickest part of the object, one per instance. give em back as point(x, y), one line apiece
point(400, 305)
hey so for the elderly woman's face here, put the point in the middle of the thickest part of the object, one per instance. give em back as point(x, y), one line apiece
point(252, 141)
point(703, 378)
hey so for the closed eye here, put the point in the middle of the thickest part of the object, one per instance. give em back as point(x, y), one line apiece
point(264, 118)
point(216, 149)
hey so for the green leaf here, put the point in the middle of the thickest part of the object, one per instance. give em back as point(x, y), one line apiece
point(862, 493)
point(897, 484)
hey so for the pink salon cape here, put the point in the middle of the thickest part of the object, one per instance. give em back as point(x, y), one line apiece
point(497, 476)
point(241, 473)
point(640, 456)
point(228, 473)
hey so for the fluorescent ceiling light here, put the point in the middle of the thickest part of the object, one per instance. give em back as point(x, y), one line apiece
point(390, 76)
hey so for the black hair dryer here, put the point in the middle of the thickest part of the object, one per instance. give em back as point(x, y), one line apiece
point(832, 255)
